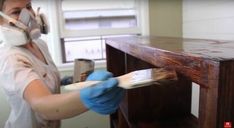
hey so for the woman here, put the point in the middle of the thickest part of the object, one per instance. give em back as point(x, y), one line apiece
point(30, 79)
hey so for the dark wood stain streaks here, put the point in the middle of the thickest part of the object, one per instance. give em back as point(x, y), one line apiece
point(210, 63)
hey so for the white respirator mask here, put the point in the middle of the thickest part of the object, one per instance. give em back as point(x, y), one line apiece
point(28, 27)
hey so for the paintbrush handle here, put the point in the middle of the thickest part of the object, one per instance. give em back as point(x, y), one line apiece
point(133, 79)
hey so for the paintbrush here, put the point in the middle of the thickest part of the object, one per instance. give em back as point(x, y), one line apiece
point(134, 79)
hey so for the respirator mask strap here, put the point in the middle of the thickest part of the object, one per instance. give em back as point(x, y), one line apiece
point(42, 21)
point(27, 18)
point(14, 33)
point(13, 21)
point(28, 25)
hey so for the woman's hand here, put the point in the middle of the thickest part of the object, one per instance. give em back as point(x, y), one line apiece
point(99, 75)
point(104, 97)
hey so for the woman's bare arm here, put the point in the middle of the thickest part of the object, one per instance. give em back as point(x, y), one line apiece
point(53, 106)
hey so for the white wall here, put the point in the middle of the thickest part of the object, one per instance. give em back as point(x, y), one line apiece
point(209, 19)
point(212, 19)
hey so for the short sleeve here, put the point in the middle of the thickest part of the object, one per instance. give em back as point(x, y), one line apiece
point(16, 74)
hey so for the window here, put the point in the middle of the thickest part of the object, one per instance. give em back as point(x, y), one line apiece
point(85, 24)
point(78, 28)
point(89, 47)
point(85, 47)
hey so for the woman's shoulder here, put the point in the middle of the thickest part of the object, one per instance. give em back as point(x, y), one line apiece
point(12, 53)
point(6, 52)
point(14, 58)
point(10, 50)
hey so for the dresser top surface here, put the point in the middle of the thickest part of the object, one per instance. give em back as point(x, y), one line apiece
point(217, 50)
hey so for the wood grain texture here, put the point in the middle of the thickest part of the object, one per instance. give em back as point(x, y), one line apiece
point(210, 63)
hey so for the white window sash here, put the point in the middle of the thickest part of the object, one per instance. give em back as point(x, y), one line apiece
point(141, 28)
point(99, 32)
point(54, 14)
point(70, 5)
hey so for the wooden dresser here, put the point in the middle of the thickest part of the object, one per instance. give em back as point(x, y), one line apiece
point(210, 63)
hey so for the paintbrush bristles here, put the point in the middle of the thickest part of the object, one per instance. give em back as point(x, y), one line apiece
point(145, 77)
point(163, 74)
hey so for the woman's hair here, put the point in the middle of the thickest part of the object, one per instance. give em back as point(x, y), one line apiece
point(1, 7)
point(1, 4)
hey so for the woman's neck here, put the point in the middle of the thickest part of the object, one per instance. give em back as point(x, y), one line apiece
point(34, 49)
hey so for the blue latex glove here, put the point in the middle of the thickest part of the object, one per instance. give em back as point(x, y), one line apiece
point(99, 75)
point(103, 98)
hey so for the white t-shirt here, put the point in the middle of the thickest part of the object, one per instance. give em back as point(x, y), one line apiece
point(19, 67)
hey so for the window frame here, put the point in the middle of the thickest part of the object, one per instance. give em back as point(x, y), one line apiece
point(97, 32)
point(64, 59)
point(56, 22)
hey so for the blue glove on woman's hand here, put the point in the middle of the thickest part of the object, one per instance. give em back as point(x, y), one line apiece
point(104, 97)
point(99, 75)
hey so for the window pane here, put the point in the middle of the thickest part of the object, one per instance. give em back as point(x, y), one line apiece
point(93, 18)
point(83, 48)
point(78, 20)
point(84, 15)
point(86, 47)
